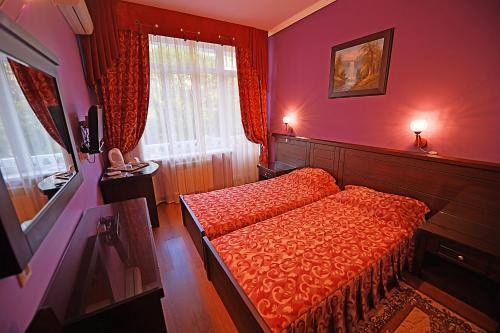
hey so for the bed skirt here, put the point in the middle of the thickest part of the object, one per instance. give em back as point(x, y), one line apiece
point(341, 311)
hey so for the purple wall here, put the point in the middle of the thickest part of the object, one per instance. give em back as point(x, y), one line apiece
point(43, 20)
point(445, 67)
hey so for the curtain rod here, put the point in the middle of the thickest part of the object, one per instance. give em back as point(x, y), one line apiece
point(140, 25)
point(222, 37)
point(185, 32)
point(198, 33)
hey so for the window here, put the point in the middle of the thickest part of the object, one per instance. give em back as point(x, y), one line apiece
point(194, 106)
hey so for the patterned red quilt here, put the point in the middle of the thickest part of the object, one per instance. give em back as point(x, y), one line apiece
point(223, 211)
point(302, 269)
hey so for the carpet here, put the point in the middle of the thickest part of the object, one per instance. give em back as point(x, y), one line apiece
point(406, 310)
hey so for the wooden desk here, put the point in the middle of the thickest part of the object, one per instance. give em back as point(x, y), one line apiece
point(274, 169)
point(130, 186)
point(462, 258)
point(51, 185)
point(106, 282)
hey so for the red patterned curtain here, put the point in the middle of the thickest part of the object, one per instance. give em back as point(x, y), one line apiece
point(100, 49)
point(117, 65)
point(124, 92)
point(40, 92)
point(252, 69)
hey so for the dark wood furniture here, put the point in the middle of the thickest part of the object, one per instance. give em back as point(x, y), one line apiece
point(51, 185)
point(107, 281)
point(193, 226)
point(462, 258)
point(130, 186)
point(274, 169)
point(466, 190)
point(18, 246)
point(241, 309)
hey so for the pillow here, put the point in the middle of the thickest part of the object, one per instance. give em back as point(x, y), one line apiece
point(315, 178)
point(393, 209)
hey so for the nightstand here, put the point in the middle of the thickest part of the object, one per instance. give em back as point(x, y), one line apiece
point(462, 258)
point(274, 169)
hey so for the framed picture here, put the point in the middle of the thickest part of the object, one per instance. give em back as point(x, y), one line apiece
point(360, 67)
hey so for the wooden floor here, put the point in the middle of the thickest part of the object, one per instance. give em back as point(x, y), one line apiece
point(191, 303)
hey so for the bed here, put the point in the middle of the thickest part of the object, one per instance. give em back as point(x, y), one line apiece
point(217, 213)
point(318, 268)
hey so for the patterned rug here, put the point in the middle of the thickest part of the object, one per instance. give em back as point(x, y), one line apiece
point(408, 311)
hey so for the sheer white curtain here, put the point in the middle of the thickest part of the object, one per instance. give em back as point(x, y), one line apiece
point(27, 152)
point(194, 121)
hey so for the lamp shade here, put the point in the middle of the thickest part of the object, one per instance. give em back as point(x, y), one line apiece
point(286, 119)
point(418, 125)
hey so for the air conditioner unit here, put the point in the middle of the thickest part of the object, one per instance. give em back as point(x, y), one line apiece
point(77, 15)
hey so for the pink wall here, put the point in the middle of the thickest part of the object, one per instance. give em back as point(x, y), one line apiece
point(43, 20)
point(445, 67)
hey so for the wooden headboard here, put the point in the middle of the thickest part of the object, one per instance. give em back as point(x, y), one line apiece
point(466, 189)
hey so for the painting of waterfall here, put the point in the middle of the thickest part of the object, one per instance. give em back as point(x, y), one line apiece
point(360, 67)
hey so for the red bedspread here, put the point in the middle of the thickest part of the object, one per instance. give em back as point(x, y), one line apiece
point(301, 269)
point(223, 211)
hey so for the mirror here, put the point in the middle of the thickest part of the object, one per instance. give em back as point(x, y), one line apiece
point(39, 173)
point(36, 157)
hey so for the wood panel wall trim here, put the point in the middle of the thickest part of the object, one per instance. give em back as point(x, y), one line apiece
point(483, 165)
point(466, 189)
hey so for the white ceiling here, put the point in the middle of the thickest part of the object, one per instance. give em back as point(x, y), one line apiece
point(269, 15)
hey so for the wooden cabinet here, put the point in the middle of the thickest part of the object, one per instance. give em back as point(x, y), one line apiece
point(465, 265)
point(274, 169)
point(130, 186)
point(108, 279)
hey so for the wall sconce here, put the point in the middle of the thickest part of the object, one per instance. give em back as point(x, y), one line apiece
point(286, 121)
point(288, 128)
point(418, 126)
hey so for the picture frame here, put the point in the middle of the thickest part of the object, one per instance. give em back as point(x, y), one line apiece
point(360, 67)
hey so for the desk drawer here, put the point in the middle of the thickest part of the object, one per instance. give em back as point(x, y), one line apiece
point(456, 253)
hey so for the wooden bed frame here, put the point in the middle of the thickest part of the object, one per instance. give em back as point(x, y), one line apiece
point(242, 311)
point(244, 314)
point(468, 190)
point(193, 227)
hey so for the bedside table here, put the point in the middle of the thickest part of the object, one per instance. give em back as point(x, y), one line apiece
point(462, 258)
point(274, 169)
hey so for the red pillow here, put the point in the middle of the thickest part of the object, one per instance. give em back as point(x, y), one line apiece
point(394, 209)
point(314, 178)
